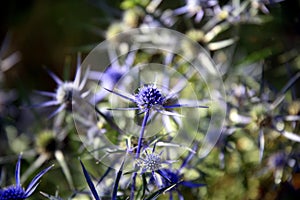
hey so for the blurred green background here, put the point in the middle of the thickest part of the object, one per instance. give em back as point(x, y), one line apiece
point(45, 32)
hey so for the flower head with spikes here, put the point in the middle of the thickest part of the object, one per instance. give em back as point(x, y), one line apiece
point(149, 97)
point(17, 192)
point(151, 161)
point(66, 90)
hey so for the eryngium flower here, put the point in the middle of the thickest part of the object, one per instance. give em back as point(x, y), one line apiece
point(66, 90)
point(150, 162)
point(149, 97)
point(17, 192)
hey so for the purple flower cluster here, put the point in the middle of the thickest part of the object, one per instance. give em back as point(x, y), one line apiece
point(17, 192)
point(149, 97)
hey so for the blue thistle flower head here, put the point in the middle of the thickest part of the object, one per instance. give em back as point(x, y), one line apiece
point(149, 97)
point(151, 161)
point(17, 192)
point(66, 90)
point(13, 192)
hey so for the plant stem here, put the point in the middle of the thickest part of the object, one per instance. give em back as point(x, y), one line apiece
point(138, 151)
